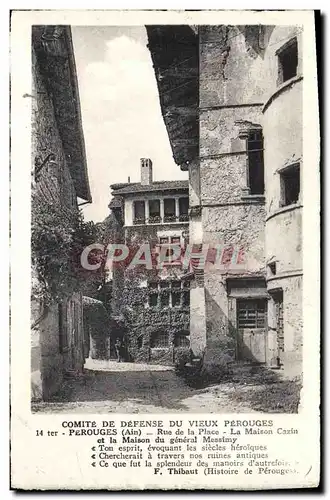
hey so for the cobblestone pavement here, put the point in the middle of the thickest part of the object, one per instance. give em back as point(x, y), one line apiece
point(111, 387)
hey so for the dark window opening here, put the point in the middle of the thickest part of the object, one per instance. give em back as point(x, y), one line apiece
point(139, 342)
point(173, 240)
point(176, 285)
point(139, 212)
point(287, 61)
point(183, 209)
point(173, 293)
point(182, 340)
point(154, 211)
point(169, 210)
point(290, 185)
point(272, 268)
point(186, 298)
point(153, 285)
point(251, 314)
point(255, 145)
point(165, 299)
point(176, 299)
point(153, 300)
point(159, 339)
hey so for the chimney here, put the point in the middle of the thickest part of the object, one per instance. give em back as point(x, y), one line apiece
point(146, 171)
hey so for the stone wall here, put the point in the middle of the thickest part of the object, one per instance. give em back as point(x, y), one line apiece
point(130, 296)
point(228, 102)
point(48, 362)
point(282, 123)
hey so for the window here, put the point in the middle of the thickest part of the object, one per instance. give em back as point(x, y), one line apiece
point(176, 293)
point(154, 211)
point(186, 298)
point(290, 185)
point(182, 340)
point(272, 268)
point(165, 293)
point(256, 162)
point(251, 314)
point(183, 209)
point(153, 300)
point(171, 240)
point(139, 212)
point(287, 61)
point(169, 210)
point(159, 339)
point(164, 287)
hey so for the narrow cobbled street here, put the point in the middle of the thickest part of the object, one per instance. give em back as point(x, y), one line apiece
point(111, 387)
point(108, 387)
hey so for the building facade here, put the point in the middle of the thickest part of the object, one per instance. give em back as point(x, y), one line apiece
point(231, 98)
point(152, 301)
point(60, 180)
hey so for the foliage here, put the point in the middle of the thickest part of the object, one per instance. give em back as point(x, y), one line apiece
point(58, 237)
point(182, 357)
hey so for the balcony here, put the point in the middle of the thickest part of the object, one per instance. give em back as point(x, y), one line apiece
point(167, 219)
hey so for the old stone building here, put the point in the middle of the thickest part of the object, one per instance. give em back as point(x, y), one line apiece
point(60, 181)
point(152, 302)
point(231, 99)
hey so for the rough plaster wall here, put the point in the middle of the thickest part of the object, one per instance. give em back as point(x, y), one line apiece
point(219, 129)
point(223, 179)
point(284, 240)
point(278, 37)
point(194, 184)
point(283, 139)
point(283, 146)
point(55, 180)
point(229, 66)
point(55, 185)
point(241, 226)
point(52, 361)
point(197, 320)
point(231, 63)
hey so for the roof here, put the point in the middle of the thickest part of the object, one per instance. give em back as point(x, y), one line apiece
point(174, 51)
point(137, 187)
point(54, 52)
point(115, 203)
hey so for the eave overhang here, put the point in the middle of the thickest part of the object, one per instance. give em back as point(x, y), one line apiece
point(175, 55)
point(54, 51)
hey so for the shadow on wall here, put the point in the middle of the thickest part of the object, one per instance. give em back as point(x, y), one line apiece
point(221, 336)
point(96, 329)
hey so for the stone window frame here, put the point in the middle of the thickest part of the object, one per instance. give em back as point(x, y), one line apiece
point(160, 334)
point(280, 52)
point(160, 290)
point(282, 172)
point(169, 237)
point(245, 131)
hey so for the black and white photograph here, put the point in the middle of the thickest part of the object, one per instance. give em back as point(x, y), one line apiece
point(165, 311)
point(167, 218)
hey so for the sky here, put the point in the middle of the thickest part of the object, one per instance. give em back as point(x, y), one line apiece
point(120, 108)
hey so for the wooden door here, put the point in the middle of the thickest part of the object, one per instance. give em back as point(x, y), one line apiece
point(252, 327)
